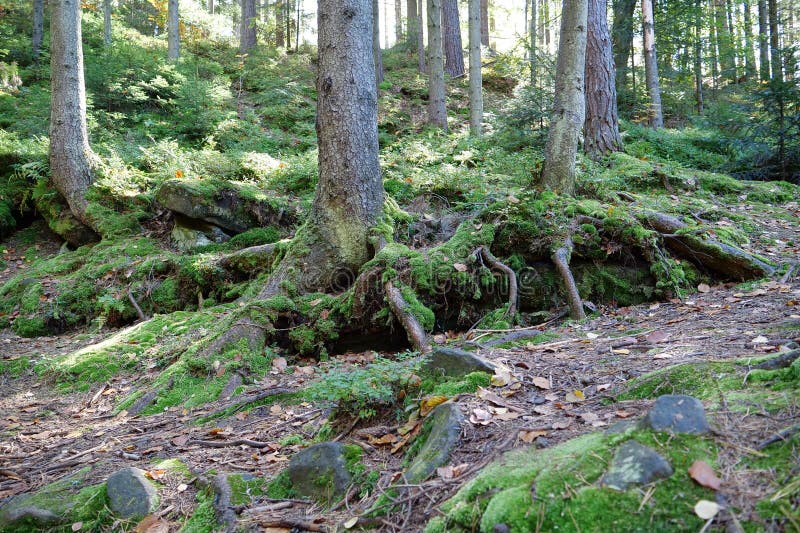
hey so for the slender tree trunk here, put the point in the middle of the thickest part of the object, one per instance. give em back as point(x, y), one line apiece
point(423, 68)
point(622, 38)
point(713, 43)
point(247, 33)
point(453, 51)
point(376, 42)
point(698, 57)
point(763, 38)
point(568, 115)
point(651, 66)
point(280, 24)
point(398, 21)
point(71, 157)
point(106, 22)
point(211, 6)
point(38, 29)
point(485, 22)
point(412, 25)
point(724, 41)
point(750, 51)
point(547, 22)
point(601, 128)
point(774, 40)
point(173, 31)
point(298, 19)
point(437, 110)
point(475, 69)
point(532, 46)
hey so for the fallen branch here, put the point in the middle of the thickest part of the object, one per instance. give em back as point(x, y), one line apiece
point(510, 274)
point(782, 361)
point(779, 436)
point(227, 443)
point(243, 400)
point(400, 307)
point(146, 399)
point(291, 523)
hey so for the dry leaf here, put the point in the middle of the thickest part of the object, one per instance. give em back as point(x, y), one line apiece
point(427, 404)
point(657, 336)
point(622, 351)
point(279, 364)
point(182, 487)
point(701, 472)
point(703, 287)
point(530, 436)
point(461, 267)
point(542, 383)
point(663, 355)
point(385, 440)
point(445, 472)
point(589, 417)
point(501, 377)
point(155, 474)
point(480, 417)
point(489, 396)
point(350, 522)
point(575, 396)
point(706, 509)
point(562, 424)
point(760, 340)
point(180, 440)
point(603, 386)
point(592, 336)
point(77, 526)
point(623, 414)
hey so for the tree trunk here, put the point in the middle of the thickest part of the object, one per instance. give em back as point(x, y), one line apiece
point(568, 115)
point(173, 31)
point(423, 68)
point(412, 24)
point(437, 111)
point(698, 57)
point(71, 157)
point(398, 21)
point(601, 129)
point(475, 69)
point(453, 50)
point(349, 197)
point(247, 33)
point(38, 29)
point(297, 28)
point(774, 40)
point(485, 22)
point(724, 41)
point(622, 38)
point(376, 42)
point(280, 34)
point(651, 66)
point(106, 22)
point(211, 6)
point(750, 52)
point(532, 46)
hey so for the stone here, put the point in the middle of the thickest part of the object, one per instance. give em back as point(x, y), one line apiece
point(48, 506)
point(320, 471)
point(131, 495)
point(455, 363)
point(444, 435)
point(635, 464)
point(677, 413)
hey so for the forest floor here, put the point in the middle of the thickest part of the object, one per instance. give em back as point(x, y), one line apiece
point(46, 434)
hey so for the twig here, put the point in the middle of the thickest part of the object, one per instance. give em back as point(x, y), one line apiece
point(291, 523)
point(135, 305)
point(268, 508)
point(243, 400)
point(227, 443)
point(782, 361)
point(779, 436)
point(401, 309)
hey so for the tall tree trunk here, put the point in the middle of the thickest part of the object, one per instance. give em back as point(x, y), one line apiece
point(211, 6)
point(71, 157)
point(173, 31)
point(398, 21)
point(532, 46)
point(651, 66)
point(412, 24)
point(247, 33)
point(568, 115)
point(423, 68)
point(280, 24)
point(106, 22)
point(437, 110)
point(38, 29)
point(763, 41)
point(298, 20)
point(774, 40)
point(750, 51)
point(601, 128)
point(622, 38)
point(376, 42)
point(475, 69)
point(485, 22)
point(453, 51)
point(724, 41)
point(349, 196)
point(698, 57)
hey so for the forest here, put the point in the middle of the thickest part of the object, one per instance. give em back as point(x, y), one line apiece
point(486, 266)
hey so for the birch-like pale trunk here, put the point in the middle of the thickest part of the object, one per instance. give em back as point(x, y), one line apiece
point(475, 70)
point(173, 31)
point(656, 116)
point(437, 110)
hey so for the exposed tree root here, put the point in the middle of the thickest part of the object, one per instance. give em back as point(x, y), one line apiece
point(510, 275)
point(147, 398)
point(223, 507)
point(135, 305)
point(784, 360)
point(416, 334)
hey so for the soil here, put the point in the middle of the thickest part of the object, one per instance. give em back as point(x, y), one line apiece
point(45, 435)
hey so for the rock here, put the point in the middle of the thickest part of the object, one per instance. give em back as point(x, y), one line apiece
point(320, 471)
point(131, 495)
point(231, 206)
point(48, 506)
point(635, 464)
point(623, 426)
point(185, 238)
point(452, 362)
point(677, 414)
point(443, 437)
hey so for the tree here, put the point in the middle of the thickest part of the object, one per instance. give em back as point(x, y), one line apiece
point(412, 24)
point(423, 68)
point(485, 22)
point(173, 31)
point(280, 16)
point(532, 48)
point(247, 33)
point(622, 38)
point(71, 157)
point(724, 41)
point(568, 113)
point(750, 52)
point(38, 29)
point(398, 21)
point(106, 22)
point(376, 42)
point(437, 111)
point(601, 129)
point(651, 66)
point(763, 38)
point(453, 50)
point(475, 73)
point(774, 41)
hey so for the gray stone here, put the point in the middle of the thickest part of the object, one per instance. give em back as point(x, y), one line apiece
point(130, 494)
point(48, 506)
point(320, 471)
point(454, 363)
point(677, 414)
point(635, 464)
point(623, 426)
point(445, 430)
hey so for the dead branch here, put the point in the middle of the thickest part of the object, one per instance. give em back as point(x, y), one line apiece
point(147, 398)
point(400, 308)
point(244, 399)
point(510, 274)
point(782, 361)
point(291, 523)
point(135, 305)
point(228, 443)
point(779, 436)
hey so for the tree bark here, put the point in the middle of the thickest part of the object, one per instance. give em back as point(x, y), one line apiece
point(173, 31)
point(398, 21)
point(71, 157)
point(622, 38)
point(568, 114)
point(774, 40)
point(412, 24)
point(475, 69)
point(376, 42)
point(724, 41)
point(247, 33)
point(601, 129)
point(651, 66)
point(750, 51)
point(453, 50)
point(38, 29)
point(106, 22)
point(280, 34)
point(423, 68)
point(485, 22)
point(698, 57)
point(211, 6)
point(532, 46)
point(437, 111)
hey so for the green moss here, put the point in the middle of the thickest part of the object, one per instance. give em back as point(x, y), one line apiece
point(702, 380)
point(14, 368)
point(30, 326)
point(280, 487)
point(469, 383)
point(244, 490)
point(203, 518)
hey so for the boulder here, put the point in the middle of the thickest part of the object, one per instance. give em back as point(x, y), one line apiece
point(320, 471)
point(635, 464)
point(677, 413)
point(131, 495)
point(48, 506)
point(455, 363)
point(445, 430)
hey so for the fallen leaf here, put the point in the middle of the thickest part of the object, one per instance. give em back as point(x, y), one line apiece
point(701, 472)
point(501, 377)
point(489, 396)
point(480, 417)
point(385, 440)
point(350, 522)
point(657, 336)
point(427, 404)
point(182, 487)
point(542, 383)
point(461, 267)
point(562, 424)
point(623, 414)
point(703, 287)
point(529, 436)
point(77, 526)
point(663, 355)
point(589, 417)
point(592, 336)
point(155, 474)
point(279, 364)
point(760, 340)
point(575, 396)
point(603, 386)
point(622, 351)
point(445, 472)
point(706, 509)
point(180, 440)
